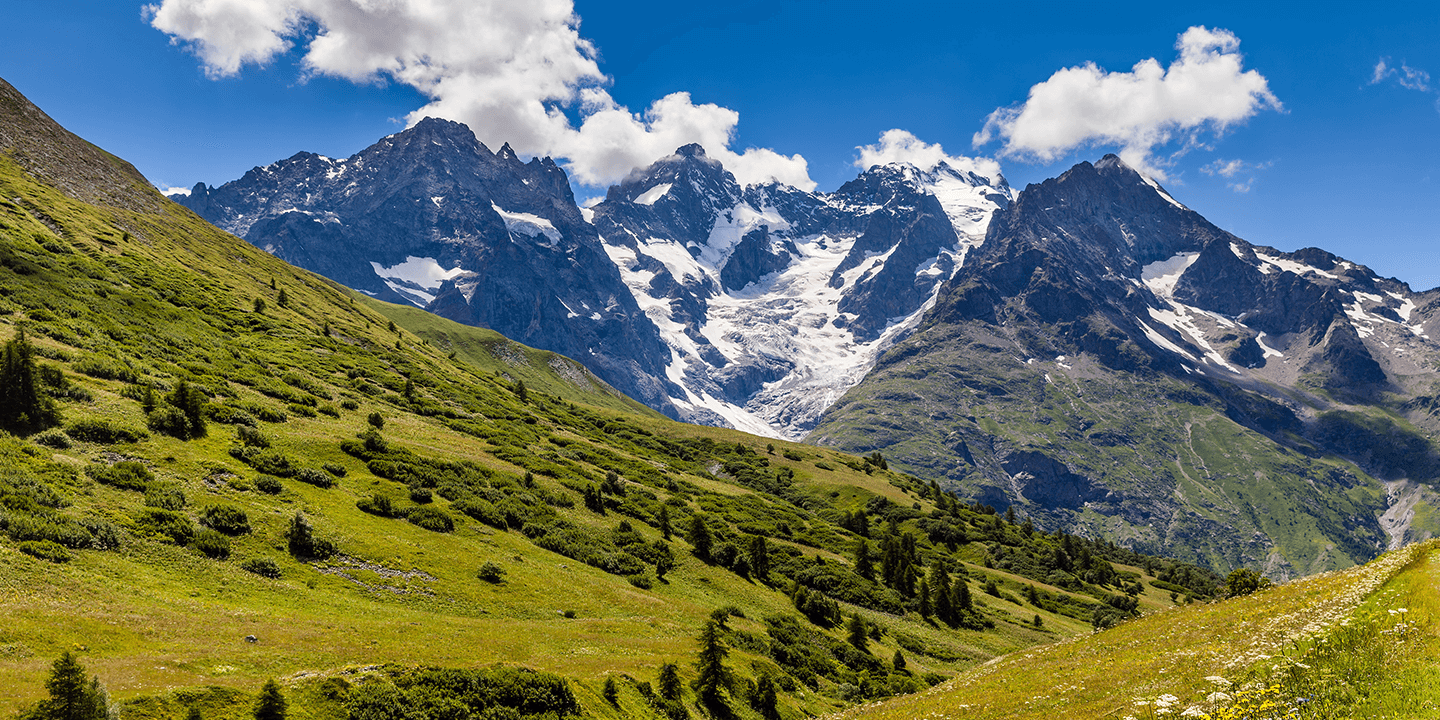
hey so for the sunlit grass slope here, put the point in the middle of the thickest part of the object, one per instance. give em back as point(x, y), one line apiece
point(1362, 642)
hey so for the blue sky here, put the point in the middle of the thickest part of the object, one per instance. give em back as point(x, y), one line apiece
point(1344, 158)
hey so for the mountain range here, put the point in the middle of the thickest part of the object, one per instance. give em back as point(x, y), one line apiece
point(1090, 350)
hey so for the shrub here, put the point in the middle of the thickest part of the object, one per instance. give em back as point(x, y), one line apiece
point(44, 550)
point(165, 525)
point(100, 431)
point(491, 573)
point(227, 415)
point(268, 484)
point(420, 494)
point(165, 497)
point(334, 469)
point(328, 409)
point(349, 404)
point(264, 412)
point(227, 519)
point(318, 478)
point(212, 544)
point(103, 535)
point(644, 580)
point(264, 567)
point(250, 437)
point(104, 368)
point(56, 439)
point(376, 420)
point(300, 410)
point(300, 537)
point(125, 475)
point(59, 530)
point(377, 504)
point(269, 462)
point(432, 519)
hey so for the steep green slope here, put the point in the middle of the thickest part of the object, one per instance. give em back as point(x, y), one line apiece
point(455, 521)
point(490, 351)
point(1357, 643)
point(1182, 473)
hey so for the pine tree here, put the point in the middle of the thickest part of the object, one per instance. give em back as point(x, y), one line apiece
point(898, 662)
point(664, 558)
point(765, 700)
point(669, 682)
point(855, 633)
point(23, 406)
point(700, 537)
point(864, 565)
point(73, 695)
point(760, 557)
point(664, 522)
point(711, 674)
point(283, 300)
point(272, 705)
point(923, 593)
point(962, 600)
point(611, 692)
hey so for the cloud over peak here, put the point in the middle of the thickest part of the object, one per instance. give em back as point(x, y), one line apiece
point(900, 146)
point(1206, 89)
point(509, 70)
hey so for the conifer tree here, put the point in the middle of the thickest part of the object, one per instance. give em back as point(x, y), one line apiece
point(711, 674)
point(23, 407)
point(73, 694)
point(272, 704)
point(700, 537)
point(864, 565)
point(760, 558)
point(664, 522)
point(923, 593)
point(669, 682)
point(898, 662)
point(765, 700)
point(855, 633)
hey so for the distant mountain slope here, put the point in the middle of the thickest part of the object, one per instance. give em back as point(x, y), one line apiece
point(1111, 361)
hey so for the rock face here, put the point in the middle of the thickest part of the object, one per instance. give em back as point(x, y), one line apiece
point(431, 217)
point(773, 300)
point(1110, 361)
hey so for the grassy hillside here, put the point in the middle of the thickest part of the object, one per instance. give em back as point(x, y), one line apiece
point(1357, 643)
point(256, 475)
point(1205, 476)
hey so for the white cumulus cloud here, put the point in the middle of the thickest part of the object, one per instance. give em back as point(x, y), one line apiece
point(509, 70)
point(1205, 89)
point(900, 146)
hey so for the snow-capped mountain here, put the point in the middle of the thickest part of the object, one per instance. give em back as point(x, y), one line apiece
point(430, 216)
point(1111, 362)
point(774, 301)
point(750, 307)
